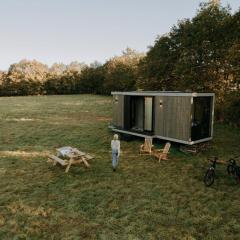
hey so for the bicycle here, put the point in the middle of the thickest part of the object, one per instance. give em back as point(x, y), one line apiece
point(210, 174)
point(233, 169)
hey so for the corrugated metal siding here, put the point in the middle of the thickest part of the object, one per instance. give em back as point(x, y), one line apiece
point(173, 117)
point(118, 103)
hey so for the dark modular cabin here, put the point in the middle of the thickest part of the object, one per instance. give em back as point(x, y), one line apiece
point(174, 116)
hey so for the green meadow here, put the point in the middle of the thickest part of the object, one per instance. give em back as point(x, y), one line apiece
point(142, 200)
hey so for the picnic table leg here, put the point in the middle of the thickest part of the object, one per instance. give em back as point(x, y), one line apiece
point(69, 165)
point(85, 162)
point(51, 161)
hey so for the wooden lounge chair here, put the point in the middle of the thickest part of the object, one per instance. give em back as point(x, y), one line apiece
point(147, 147)
point(162, 154)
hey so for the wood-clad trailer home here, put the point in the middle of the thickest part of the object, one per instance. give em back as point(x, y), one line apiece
point(181, 117)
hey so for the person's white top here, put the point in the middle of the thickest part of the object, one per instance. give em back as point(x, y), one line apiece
point(115, 145)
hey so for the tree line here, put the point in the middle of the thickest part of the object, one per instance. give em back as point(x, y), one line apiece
point(200, 54)
point(35, 78)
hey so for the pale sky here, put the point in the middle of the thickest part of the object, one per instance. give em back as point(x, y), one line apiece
point(85, 30)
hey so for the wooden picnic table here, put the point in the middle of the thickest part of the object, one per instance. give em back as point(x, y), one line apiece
point(73, 157)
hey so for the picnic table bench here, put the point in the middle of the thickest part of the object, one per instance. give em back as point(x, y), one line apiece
point(72, 156)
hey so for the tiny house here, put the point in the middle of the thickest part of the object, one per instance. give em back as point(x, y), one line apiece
point(181, 117)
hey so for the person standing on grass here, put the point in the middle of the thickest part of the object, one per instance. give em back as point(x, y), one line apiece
point(115, 145)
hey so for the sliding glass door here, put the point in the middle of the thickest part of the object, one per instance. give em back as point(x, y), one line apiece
point(148, 113)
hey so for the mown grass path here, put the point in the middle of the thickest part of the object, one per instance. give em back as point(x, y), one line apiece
point(142, 200)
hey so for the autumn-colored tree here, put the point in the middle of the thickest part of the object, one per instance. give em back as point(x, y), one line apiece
point(121, 71)
point(57, 69)
point(25, 78)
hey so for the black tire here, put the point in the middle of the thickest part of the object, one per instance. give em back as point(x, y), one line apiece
point(238, 179)
point(237, 175)
point(231, 170)
point(209, 177)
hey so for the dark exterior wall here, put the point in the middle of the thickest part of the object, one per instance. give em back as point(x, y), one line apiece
point(118, 110)
point(173, 118)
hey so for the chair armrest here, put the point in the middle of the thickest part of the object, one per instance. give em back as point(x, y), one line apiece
point(159, 150)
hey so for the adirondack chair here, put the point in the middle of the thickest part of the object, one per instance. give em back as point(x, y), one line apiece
point(162, 154)
point(147, 147)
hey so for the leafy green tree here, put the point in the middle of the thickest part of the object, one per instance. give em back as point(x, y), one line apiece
point(192, 55)
point(121, 72)
point(198, 54)
point(156, 70)
point(233, 55)
point(91, 80)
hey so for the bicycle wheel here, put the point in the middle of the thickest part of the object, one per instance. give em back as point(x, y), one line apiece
point(231, 170)
point(209, 177)
point(237, 179)
point(237, 175)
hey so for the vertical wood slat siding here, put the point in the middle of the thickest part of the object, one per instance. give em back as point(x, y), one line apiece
point(118, 110)
point(173, 118)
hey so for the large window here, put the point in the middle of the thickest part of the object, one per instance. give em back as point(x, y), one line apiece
point(202, 117)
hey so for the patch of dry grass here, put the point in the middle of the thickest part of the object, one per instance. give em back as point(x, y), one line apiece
point(23, 153)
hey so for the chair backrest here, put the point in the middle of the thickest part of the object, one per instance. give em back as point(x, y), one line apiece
point(167, 148)
point(148, 144)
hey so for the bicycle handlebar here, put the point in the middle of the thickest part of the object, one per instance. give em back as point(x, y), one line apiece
point(212, 159)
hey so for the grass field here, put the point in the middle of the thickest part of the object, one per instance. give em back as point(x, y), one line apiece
point(142, 200)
